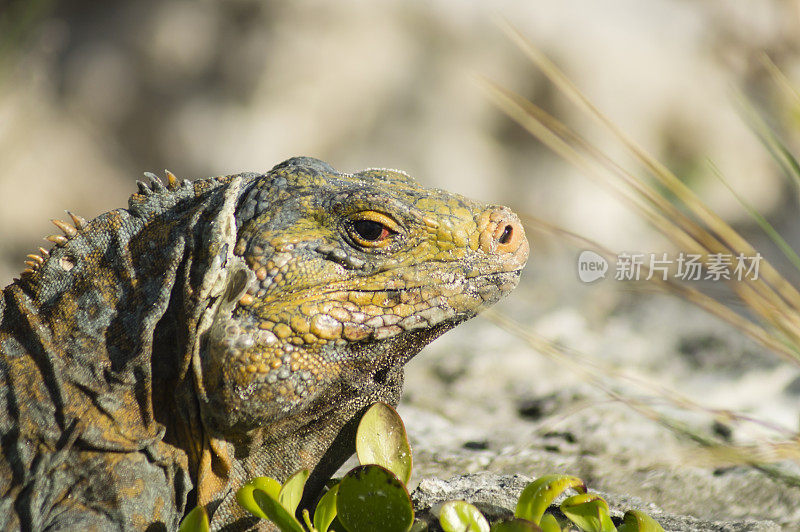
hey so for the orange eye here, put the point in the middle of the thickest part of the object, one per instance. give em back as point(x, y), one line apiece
point(371, 231)
point(372, 228)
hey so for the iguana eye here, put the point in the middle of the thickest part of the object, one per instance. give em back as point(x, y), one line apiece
point(372, 229)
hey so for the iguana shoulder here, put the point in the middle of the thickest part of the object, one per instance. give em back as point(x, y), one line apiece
point(215, 330)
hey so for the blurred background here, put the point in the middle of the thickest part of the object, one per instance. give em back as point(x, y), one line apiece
point(94, 93)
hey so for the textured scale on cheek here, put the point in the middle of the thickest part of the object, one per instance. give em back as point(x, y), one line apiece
point(263, 365)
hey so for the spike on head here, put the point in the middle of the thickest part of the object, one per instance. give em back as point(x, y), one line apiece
point(143, 188)
point(58, 240)
point(68, 230)
point(156, 184)
point(35, 258)
point(172, 181)
point(78, 221)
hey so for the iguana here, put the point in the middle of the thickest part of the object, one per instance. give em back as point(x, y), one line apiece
point(159, 356)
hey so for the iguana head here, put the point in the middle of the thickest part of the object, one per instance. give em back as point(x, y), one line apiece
point(348, 277)
point(335, 281)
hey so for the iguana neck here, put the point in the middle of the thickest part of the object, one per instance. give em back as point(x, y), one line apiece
point(92, 308)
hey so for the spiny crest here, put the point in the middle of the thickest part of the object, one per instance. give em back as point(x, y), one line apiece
point(35, 261)
point(156, 186)
point(154, 196)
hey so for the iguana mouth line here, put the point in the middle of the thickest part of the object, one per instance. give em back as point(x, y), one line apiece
point(417, 287)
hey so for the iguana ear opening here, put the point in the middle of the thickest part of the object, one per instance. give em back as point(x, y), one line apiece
point(236, 285)
point(212, 324)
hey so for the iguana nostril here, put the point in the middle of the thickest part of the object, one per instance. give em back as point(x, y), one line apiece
point(501, 232)
point(508, 232)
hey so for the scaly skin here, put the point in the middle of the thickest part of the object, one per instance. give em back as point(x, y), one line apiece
point(160, 356)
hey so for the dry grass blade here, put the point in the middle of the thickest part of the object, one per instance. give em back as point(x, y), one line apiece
point(762, 222)
point(647, 202)
point(550, 132)
point(772, 286)
point(770, 297)
point(789, 90)
point(787, 350)
point(769, 139)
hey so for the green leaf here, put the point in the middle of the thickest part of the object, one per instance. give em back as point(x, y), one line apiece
point(337, 525)
point(292, 490)
point(548, 523)
point(372, 498)
point(540, 494)
point(637, 521)
point(244, 495)
point(381, 439)
point(419, 526)
point(195, 521)
point(461, 516)
point(515, 525)
point(276, 513)
point(589, 511)
point(326, 510)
